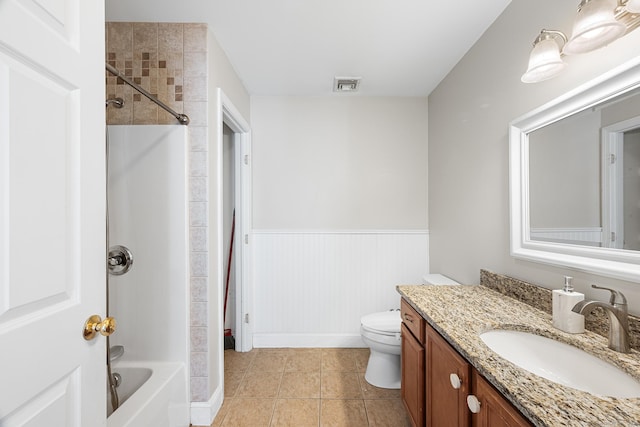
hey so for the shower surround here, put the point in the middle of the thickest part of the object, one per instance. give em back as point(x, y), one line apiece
point(147, 191)
point(170, 61)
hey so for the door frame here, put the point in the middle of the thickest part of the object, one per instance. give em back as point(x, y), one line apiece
point(229, 115)
point(612, 181)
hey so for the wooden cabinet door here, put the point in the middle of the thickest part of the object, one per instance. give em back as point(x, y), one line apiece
point(412, 389)
point(412, 320)
point(445, 405)
point(495, 411)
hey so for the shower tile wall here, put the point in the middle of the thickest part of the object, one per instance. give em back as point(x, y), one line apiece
point(170, 61)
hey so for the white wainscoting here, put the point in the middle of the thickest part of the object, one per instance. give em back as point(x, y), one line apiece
point(590, 236)
point(312, 287)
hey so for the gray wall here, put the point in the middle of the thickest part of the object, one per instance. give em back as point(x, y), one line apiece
point(339, 162)
point(564, 173)
point(468, 145)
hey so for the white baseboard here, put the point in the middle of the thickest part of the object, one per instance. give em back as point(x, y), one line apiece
point(308, 341)
point(203, 413)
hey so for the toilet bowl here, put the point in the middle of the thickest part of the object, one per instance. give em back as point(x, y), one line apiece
point(381, 333)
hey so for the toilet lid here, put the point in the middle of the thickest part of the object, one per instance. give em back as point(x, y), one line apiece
point(384, 321)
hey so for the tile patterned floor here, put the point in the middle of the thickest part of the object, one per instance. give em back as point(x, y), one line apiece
point(305, 387)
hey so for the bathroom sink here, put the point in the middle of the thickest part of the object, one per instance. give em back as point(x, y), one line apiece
point(561, 363)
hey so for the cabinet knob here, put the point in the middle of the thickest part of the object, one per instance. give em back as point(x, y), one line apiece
point(473, 403)
point(455, 381)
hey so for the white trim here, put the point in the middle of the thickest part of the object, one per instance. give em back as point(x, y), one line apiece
point(620, 264)
point(203, 413)
point(340, 231)
point(230, 115)
point(613, 181)
point(308, 341)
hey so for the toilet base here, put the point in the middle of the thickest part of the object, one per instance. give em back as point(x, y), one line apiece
point(383, 370)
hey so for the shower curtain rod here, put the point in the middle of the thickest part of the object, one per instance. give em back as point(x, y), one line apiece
point(182, 118)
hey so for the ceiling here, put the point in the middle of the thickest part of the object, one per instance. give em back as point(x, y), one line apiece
point(296, 47)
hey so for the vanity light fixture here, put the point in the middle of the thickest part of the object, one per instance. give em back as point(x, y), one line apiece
point(597, 23)
point(633, 6)
point(545, 61)
point(595, 26)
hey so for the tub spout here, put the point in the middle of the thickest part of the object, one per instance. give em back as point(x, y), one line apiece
point(116, 352)
point(616, 309)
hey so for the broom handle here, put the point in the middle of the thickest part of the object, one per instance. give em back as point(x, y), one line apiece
point(226, 291)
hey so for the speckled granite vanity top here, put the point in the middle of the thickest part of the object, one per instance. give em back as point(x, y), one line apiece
point(461, 313)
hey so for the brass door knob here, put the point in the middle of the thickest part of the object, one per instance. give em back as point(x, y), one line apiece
point(95, 324)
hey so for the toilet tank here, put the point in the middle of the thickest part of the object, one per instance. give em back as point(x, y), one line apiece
point(438, 279)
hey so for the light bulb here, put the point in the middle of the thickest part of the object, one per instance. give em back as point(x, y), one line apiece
point(544, 61)
point(595, 26)
point(633, 6)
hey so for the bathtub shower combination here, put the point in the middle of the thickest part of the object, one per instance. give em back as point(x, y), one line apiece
point(147, 289)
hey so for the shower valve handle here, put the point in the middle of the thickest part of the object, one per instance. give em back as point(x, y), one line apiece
point(95, 325)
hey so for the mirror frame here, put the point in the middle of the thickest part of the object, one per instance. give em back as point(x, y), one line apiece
point(616, 263)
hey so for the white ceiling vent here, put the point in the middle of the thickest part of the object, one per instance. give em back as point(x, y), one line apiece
point(346, 84)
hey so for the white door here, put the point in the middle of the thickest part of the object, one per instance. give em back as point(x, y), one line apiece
point(52, 212)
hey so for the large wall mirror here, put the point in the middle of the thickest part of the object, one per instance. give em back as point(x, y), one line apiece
point(575, 178)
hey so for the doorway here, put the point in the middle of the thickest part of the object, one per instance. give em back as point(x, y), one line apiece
point(621, 185)
point(234, 213)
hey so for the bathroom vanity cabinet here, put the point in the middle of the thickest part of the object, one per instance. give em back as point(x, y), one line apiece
point(437, 382)
point(495, 411)
point(412, 363)
point(448, 383)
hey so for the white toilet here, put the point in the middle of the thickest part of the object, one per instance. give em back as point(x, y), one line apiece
point(381, 333)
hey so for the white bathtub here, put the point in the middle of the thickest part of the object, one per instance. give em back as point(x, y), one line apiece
point(157, 401)
point(131, 380)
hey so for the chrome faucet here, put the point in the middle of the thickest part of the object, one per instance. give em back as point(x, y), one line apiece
point(616, 308)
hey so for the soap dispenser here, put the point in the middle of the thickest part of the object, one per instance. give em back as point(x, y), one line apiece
point(563, 301)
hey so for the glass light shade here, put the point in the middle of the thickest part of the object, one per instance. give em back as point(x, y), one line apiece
point(633, 6)
point(595, 26)
point(544, 62)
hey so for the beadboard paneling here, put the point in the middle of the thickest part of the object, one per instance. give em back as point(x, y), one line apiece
point(589, 236)
point(311, 288)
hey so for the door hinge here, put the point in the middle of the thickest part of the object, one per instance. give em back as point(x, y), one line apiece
point(246, 239)
point(246, 318)
point(612, 159)
point(246, 159)
point(613, 236)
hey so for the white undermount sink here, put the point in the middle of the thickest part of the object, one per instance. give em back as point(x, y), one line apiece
point(561, 363)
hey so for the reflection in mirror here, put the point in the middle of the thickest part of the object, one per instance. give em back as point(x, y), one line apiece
point(584, 177)
point(574, 178)
point(631, 183)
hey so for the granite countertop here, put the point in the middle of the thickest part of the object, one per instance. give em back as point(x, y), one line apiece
point(461, 313)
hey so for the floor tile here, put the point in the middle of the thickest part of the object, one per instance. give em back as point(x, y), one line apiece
point(303, 385)
point(260, 384)
point(304, 360)
point(342, 413)
point(224, 409)
point(237, 361)
point(268, 362)
point(340, 385)
point(249, 413)
point(362, 359)
point(341, 360)
point(386, 413)
point(372, 392)
point(232, 380)
point(296, 413)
